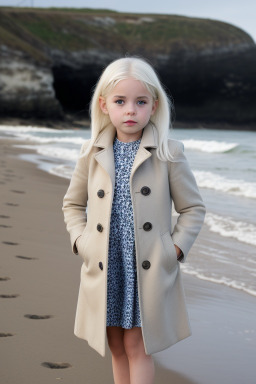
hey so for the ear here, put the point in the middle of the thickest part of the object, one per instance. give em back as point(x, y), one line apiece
point(154, 107)
point(103, 105)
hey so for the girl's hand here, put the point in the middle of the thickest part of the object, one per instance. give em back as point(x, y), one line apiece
point(77, 243)
point(178, 251)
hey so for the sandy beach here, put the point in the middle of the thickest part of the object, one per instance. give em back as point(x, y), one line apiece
point(39, 280)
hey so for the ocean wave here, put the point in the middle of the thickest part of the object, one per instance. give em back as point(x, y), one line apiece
point(48, 140)
point(59, 153)
point(25, 129)
point(229, 227)
point(56, 152)
point(32, 134)
point(62, 171)
point(210, 146)
point(218, 280)
point(211, 180)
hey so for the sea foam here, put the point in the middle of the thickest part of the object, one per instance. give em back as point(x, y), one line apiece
point(229, 227)
point(210, 146)
point(62, 171)
point(218, 279)
point(55, 152)
point(236, 187)
point(49, 140)
point(24, 129)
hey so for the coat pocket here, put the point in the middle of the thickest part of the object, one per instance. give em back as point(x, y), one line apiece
point(82, 248)
point(170, 251)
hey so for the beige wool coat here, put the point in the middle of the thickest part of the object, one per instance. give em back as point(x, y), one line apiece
point(154, 186)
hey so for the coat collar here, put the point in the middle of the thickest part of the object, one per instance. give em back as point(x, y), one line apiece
point(105, 156)
point(106, 137)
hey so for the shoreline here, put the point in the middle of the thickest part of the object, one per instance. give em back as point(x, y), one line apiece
point(71, 122)
point(41, 277)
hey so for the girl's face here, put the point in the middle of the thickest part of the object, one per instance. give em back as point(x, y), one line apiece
point(129, 106)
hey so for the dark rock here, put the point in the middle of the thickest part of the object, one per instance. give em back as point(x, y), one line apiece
point(26, 88)
point(208, 67)
point(216, 85)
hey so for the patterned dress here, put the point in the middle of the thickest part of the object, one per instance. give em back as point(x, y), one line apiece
point(122, 294)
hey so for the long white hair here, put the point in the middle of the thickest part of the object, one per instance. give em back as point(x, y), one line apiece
point(139, 69)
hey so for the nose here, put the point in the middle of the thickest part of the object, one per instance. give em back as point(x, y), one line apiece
point(130, 110)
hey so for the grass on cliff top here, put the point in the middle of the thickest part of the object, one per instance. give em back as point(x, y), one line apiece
point(81, 29)
point(58, 10)
point(13, 41)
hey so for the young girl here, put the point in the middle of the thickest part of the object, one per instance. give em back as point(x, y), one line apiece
point(118, 211)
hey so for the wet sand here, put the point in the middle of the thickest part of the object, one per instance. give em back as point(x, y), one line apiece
point(39, 280)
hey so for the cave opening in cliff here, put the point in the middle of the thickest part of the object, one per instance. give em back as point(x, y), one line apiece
point(73, 89)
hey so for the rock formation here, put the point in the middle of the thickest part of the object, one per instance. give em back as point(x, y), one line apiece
point(26, 88)
point(51, 59)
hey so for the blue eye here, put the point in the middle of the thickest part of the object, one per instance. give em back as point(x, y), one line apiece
point(119, 102)
point(141, 102)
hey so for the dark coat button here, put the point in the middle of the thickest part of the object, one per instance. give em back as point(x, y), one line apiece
point(101, 266)
point(99, 228)
point(146, 264)
point(147, 226)
point(145, 191)
point(100, 193)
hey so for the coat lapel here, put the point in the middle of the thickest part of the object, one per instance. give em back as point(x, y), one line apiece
point(105, 156)
point(149, 140)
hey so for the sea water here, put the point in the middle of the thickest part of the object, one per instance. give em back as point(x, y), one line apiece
point(224, 165)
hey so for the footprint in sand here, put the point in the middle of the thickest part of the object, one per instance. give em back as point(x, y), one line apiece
point(26, 257)
point(8, 176)
point(4, 278)
point(9, 243)
point(9, 173)
point(4, 217)
point(8, 296)
point(38, 317)
point(56, 365)
point(17, 191)
point(12, 204)
point(2, 334)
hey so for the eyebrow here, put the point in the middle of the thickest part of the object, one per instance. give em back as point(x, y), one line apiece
point(124, 97)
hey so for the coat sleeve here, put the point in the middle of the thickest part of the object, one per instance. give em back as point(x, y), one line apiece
point(187, 201)
point(75, 199)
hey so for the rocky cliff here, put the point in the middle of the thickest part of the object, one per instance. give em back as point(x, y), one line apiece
point(51, 59)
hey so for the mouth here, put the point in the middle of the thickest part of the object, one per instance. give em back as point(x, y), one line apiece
point(130, 122)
